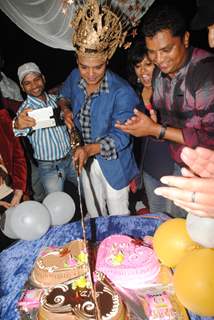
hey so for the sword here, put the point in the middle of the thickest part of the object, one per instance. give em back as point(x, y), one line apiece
point(75, 143)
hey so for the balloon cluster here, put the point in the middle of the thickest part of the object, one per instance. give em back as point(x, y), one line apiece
point(178, 244)
point(30, 220)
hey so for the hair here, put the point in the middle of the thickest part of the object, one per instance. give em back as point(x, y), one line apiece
point(136, 54)
point(162, 17)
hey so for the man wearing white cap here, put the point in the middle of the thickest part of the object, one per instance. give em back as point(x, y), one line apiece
point(51, 144)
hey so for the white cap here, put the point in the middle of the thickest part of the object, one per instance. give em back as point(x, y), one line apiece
point(26, 68)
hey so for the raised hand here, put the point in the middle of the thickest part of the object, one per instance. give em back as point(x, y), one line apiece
point(139, 125)
point(195, 195)
point(200, 160)
point(23, 121)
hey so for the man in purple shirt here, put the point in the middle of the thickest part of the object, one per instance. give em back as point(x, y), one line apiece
point(195, 190)
point(183, 87)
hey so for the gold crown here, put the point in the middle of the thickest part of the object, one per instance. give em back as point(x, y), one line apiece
point(100, 29)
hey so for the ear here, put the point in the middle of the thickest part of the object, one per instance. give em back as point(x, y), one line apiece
point(186, 39)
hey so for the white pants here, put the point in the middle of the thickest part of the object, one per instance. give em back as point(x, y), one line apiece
point(99, 195)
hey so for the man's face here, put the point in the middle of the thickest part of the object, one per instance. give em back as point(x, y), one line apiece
point(167, 52)
point(211, 35)
point(33, 84)
point(92, 69)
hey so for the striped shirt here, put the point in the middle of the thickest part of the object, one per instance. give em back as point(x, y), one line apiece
point(49, 144)
point(107, 144)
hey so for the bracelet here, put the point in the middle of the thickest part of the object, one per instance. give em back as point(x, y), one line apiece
point(162, 131)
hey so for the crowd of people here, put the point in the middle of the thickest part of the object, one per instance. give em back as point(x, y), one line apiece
point(167, 101)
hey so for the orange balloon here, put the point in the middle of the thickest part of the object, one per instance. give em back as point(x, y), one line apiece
point(172, 242)
point(194, 282)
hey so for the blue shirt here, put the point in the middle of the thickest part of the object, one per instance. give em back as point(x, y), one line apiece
point(107, 145)
point(105, 110)
point(48, 143)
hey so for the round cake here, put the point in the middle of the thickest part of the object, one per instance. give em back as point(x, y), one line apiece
point(58, 264)
point(72, 302)
point(127, 262)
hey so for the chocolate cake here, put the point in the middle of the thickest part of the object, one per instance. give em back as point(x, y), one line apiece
point(72, 302)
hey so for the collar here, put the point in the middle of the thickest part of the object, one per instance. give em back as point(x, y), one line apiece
point(47, 98)
point(104, 86)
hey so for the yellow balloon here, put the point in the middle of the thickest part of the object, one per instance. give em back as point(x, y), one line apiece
point(194, 282)
point(172, 242)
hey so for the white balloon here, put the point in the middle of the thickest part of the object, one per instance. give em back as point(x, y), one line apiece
point(6, 228)
point(60, 206)
point(30, 220)
point(201, 230)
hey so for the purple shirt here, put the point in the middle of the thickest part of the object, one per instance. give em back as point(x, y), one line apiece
point(186, 101)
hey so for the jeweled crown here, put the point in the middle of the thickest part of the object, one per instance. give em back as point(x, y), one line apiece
point(100, 27)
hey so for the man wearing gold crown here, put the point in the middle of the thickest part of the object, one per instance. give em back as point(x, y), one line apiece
point(99, 98)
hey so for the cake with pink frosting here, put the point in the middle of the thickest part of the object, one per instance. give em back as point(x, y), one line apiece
point(127, 262)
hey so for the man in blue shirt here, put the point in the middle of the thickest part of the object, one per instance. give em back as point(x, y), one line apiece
point(51, 145)
point(99, 98)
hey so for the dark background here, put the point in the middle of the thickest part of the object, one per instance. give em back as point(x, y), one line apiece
point(17, 48)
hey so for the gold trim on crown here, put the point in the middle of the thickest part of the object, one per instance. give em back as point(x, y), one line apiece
point(98, 29)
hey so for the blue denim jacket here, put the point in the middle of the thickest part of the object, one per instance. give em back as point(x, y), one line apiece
point(106, 109)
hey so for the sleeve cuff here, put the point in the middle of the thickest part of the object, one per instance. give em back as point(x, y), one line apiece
point(107, 148)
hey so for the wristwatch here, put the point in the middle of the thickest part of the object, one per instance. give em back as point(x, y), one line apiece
point(162, 131)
